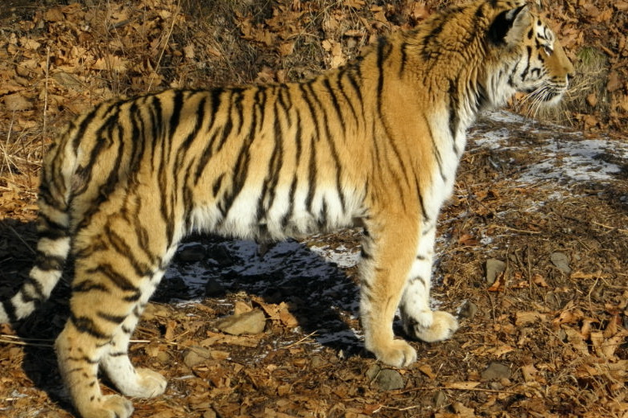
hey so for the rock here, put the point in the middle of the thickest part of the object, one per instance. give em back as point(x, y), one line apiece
point(467, 310)
point(213, 288)
point(194, 356)
point(389, 379)
point(372, 372)
point(496, 371)
point(561, 261)
point(317, 361)
point(221, 256)
point(385, 379)
point(192, 253)
point(493, 269)
point(440, 399)
point(246, 323)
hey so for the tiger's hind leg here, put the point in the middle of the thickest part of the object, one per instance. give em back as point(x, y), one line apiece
point(419, 321)
point(131, 381)
point(110, 290)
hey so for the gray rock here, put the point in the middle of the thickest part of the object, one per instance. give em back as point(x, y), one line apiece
point(372, 372)
point(440, 399)
point(389, 379)
point(494, 268)
point(496, 371)
point(467, 310)
point(192, 253)
point(213, 288)
point(385, 379)
point(246, 323)
point(561, 261)
point(221, 256)
point(194, 356)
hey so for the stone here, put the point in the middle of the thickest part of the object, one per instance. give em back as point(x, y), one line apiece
point(317, 361)
point(246, 323)
point(467, 310)
point(440, 399)
point(496, 371)
point(389, 379)
point(192, 254)
point(213, 288)
point(194, 356)
point(561, 261)
point(385, 379)
point(494, 268)
point(221, 256)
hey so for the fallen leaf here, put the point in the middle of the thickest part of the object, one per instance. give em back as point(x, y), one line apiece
point(462, 385)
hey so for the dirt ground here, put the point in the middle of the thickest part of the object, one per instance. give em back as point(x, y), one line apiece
point(532, 255)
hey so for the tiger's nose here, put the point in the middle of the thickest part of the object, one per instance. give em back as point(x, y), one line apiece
point(571, 72)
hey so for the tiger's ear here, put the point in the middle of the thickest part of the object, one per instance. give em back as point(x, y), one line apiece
point(510, 26)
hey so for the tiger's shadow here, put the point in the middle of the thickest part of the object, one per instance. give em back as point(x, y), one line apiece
point(319, 294)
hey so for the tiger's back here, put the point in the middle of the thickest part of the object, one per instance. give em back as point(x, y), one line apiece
point(377, 142)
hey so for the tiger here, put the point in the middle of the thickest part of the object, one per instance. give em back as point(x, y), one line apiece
point(375, 143)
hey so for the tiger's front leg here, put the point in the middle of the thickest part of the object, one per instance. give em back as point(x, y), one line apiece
point(388, 250)
point(419, 321)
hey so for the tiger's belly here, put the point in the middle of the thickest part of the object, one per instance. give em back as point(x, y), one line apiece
point(284, 214)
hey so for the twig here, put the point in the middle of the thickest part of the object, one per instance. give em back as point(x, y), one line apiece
point(508, 392)
point(41, 342)
point(9, 339)
point(523, 231)
point(625, 231)
point(300, 341)
point(45, 124)
point(21, 239)
point(163, 49)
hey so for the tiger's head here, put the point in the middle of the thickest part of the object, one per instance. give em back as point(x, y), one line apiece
point(532, 59)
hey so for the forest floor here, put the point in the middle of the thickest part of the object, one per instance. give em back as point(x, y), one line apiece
point(532, 248)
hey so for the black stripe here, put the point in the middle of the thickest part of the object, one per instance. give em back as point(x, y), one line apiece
point(435, 150)
point(87, 326)
point(88, 286)
point(311, 184)
point(332, 148)
point(27, 296)
point(9, 308)
point(426, 218)
point(116, 278)
point(217, 184)
point(114, 319)
point(336, 105)
point(49, 262)
point(120, 245)
point(341, 89)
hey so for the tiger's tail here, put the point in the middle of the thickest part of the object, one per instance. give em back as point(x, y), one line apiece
point(53, 228)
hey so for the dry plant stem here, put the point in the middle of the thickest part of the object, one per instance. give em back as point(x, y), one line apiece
point(5, 150)
point(42, 342)
point(45, 122)
point(623, 231)
point(294, 344)
point(165, 44)
point(21, 239)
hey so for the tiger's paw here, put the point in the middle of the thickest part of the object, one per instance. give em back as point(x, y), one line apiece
point(397, 353)
point(442, 327)
point(148, 384)
point(112, 406)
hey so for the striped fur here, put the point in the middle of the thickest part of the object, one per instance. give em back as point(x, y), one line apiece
point(376, 142)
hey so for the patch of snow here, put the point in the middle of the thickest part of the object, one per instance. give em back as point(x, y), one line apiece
point(568, 157)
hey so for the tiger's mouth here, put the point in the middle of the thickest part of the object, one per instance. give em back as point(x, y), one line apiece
point(546, 93)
